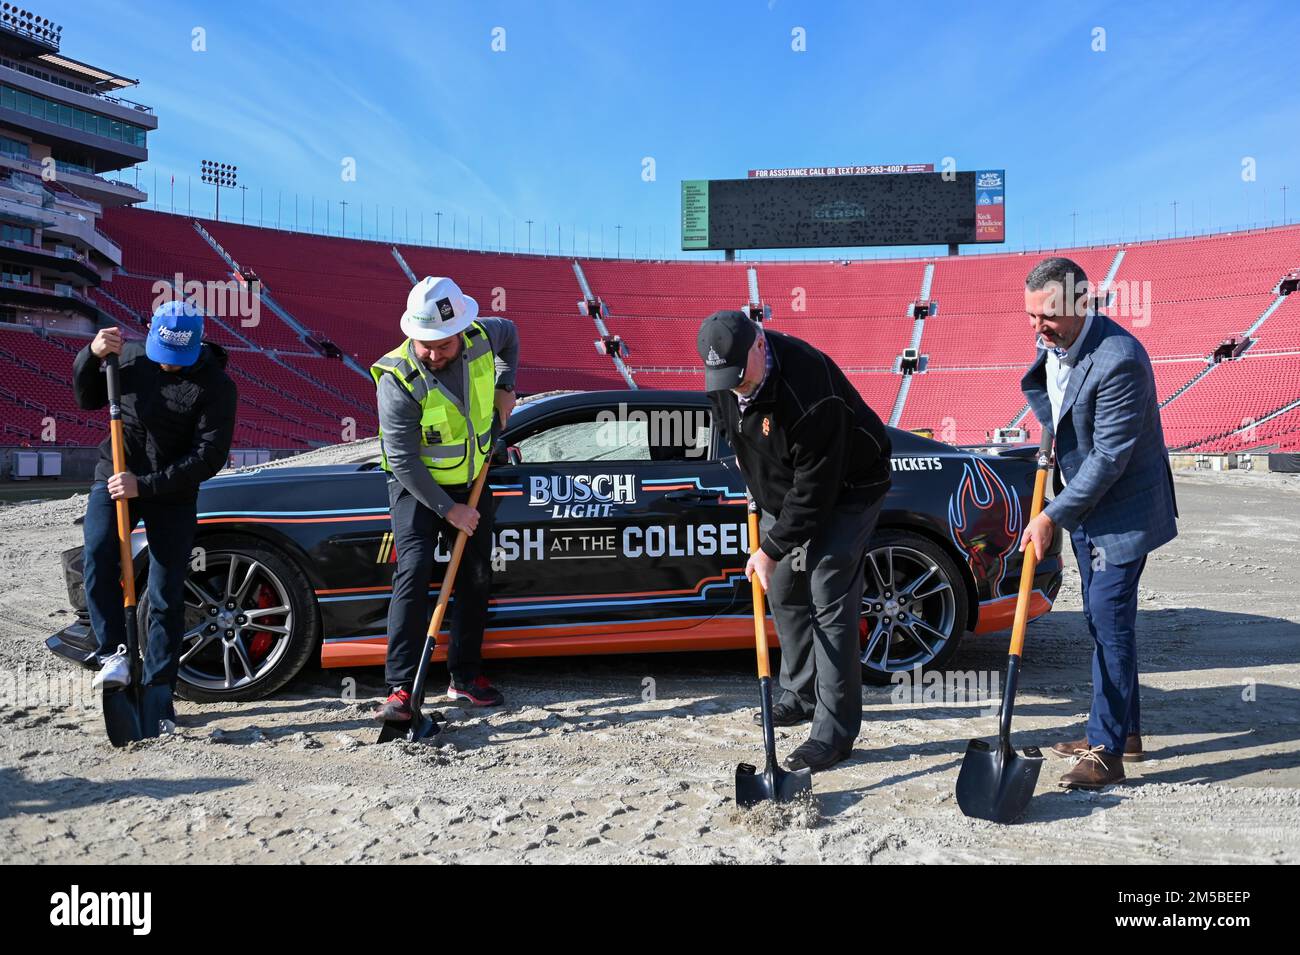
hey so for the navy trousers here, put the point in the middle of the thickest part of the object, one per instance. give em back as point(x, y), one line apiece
point(169, 530)
point(1110, 593)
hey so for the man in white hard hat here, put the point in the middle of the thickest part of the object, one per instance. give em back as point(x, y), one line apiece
point(438, 393)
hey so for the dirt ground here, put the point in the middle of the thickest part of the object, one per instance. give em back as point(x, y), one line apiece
point(585, 764)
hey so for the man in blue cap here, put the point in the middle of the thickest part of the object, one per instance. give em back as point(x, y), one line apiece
point(178, 419)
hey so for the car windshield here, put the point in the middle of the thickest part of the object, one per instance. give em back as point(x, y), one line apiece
point(652, 434)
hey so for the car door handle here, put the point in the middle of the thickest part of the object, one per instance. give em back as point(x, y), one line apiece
point(693, 497)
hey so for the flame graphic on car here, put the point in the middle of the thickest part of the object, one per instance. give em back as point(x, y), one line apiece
point(985, 521)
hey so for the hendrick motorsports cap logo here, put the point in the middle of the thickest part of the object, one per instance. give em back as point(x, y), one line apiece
point(839, 211)
point(175, 337)
point(582, 495)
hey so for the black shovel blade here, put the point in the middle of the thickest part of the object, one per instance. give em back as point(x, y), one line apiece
point(420, 727)
point(773, 783)
point(122, 716)
point(995, 782)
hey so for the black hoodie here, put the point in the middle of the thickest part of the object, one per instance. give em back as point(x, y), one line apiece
point(178, 425)
point(805, 444)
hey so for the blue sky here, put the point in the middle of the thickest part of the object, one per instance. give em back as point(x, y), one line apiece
point(555, 128)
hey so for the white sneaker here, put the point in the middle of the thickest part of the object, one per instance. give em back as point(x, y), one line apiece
point(114, 672)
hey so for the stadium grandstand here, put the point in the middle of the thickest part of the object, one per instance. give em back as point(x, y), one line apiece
point(935, 344)
point(1224, 340)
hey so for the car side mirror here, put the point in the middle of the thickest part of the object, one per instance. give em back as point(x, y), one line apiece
point(514, 456)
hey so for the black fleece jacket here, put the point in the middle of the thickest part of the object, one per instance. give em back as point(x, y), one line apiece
point(806, 443)
point(178, 425)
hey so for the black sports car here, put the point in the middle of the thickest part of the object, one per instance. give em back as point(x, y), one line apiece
point(620, 528)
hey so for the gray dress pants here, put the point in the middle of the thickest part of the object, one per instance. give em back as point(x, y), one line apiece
point(816, 602)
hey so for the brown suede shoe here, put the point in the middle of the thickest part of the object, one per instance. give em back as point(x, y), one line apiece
point(1132, 749)
point(1093, 769)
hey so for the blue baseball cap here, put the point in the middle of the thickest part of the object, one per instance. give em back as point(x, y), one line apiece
point(175, 334)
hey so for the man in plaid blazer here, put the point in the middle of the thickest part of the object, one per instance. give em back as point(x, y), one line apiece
point(1092, 383)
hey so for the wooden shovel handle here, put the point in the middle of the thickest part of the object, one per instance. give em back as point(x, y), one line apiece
point(1030, 564)
point(118, 441)
point(760, 617)
point(449, 578)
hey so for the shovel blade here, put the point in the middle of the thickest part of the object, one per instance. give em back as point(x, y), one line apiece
point(420, 727)
point(122, 716)
point(995, 782)
point(773, 783)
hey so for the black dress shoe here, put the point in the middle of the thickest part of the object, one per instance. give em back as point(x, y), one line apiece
point(816, 755)
point(784, 715)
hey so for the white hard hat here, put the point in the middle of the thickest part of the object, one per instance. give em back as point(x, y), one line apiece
point(437, 309)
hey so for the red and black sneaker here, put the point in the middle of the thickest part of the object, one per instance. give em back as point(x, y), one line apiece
point(397, 708)
point(475, 692)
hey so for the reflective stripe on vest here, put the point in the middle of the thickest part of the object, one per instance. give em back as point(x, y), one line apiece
point(456, 437)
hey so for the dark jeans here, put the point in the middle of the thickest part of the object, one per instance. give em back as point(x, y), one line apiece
point(816, 610)
point(416, 532)
point(169, 531)
point(1110, 593)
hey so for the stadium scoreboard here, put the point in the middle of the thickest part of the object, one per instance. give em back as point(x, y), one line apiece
point(795, 209)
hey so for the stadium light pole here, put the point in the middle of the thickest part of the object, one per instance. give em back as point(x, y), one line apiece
point(437, 240)
point(343, 227)
point(243, 203)
point(1175, 205)
point(219, 174)
point(530, 235)
point(1284, 188)
point(618, 245)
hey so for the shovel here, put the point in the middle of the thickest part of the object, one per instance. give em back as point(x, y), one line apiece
point(995, 782)
point(131, 712)
point(774, 783)
point(423, 725)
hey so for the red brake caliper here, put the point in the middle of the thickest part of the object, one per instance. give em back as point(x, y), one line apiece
point(260, 645)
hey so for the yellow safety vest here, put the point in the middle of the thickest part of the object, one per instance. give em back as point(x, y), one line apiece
point(455, 439)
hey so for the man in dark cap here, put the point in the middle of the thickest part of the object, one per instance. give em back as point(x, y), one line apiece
point(816, 459)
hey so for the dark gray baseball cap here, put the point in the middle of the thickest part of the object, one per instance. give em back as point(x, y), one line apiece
point(724, 342)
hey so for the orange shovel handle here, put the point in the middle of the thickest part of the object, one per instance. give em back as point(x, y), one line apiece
point(449, 578)
point(1030, 564)
point(760, 616)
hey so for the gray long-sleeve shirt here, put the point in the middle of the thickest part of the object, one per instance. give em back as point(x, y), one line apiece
point(399, 413)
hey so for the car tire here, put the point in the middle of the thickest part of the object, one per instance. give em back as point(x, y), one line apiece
point(274, 659)
point(928, 569)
